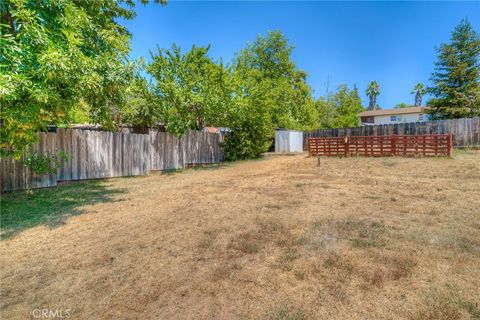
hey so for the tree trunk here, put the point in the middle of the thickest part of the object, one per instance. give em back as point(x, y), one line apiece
point(373, 103)
point(418, 99)
point(6, 18)
point(199, 121)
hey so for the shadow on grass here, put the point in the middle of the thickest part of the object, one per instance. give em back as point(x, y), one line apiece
point(195, 167)
point(52, 206)
point(208, 167)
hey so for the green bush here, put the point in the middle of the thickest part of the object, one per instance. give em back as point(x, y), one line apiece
point(245, 144)
point(46, 164)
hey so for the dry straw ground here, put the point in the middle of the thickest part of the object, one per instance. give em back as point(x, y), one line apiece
point(280, 238)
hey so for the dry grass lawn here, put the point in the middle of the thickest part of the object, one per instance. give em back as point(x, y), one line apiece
point(279, 238)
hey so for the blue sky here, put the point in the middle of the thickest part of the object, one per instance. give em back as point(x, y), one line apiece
point(340, 42)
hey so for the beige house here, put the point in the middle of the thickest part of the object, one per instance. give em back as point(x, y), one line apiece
point(392, 116)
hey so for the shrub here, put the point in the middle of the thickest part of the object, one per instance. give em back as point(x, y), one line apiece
point(245, 144)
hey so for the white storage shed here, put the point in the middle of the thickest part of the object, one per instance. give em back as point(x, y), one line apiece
point(288, 140)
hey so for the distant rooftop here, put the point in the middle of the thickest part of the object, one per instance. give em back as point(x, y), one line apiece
point(388, 112)
point(216, 129)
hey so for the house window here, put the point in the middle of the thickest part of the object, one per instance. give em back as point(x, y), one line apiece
point(367, 120)
point(421, 117)
point(395, 118)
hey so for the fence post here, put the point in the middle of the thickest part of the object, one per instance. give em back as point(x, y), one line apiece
point(393, 145)
point(346, 149)
point(424, 138)
point(449, 144)
point(382, 142)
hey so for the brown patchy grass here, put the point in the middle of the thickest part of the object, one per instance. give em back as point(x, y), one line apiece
point(280, 238)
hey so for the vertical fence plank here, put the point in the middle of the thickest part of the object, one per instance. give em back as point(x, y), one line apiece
point(67, 145)
point(43, 151)
point(3, 174)
point(51, 139)
point(60, 147)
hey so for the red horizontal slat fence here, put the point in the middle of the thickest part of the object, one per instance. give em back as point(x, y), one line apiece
point(466, 130)
point(431, 145)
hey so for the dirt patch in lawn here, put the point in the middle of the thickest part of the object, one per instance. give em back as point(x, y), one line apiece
point(279, 238)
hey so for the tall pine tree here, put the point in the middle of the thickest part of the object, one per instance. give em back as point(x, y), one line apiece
point(456, 80)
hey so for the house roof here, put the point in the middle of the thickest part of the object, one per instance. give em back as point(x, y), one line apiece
point(216, 129)
point(388, 112)
point(210, 129)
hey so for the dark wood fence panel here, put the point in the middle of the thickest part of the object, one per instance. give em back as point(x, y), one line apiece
point(466, 132)
point(382, 146)
point(166, 152)
point(202, 148)
point(171, 152)
point(100, 154)
point(94, 154)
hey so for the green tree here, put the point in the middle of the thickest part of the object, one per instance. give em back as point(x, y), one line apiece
point(142, 107)
point(456, 80)
point(55, 55)
point(191, 88)
point(268, 92)
point(419, 90)
point(249, 119)
point(341, 109)
point(288, 96)
point(326, 112)
point(373, 90)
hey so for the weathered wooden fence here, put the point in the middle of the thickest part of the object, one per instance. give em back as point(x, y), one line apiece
point(426, 145)
point(99, 154)
point(171, 152)
point(14, 175)
point(466, 132)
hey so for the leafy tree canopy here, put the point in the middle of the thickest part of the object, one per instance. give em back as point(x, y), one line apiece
point(268, 63)
point(261, 90)
point(191, 88)
point(268, 92)
point(341, 109)
point(55, 55)
point(142, 107)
